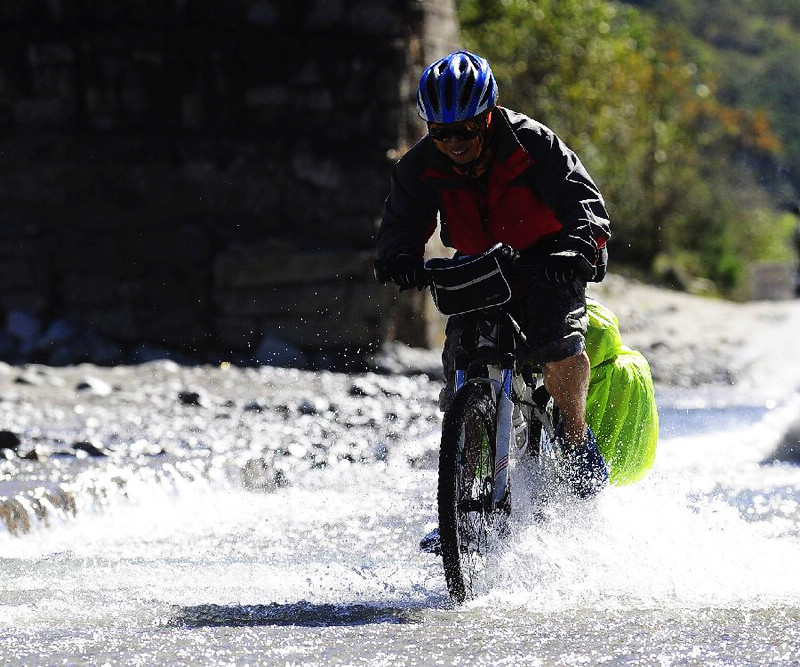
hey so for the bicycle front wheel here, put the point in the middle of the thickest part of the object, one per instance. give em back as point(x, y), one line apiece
point(466, 475)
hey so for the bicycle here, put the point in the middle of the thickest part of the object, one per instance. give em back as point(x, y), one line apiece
point(499, 403)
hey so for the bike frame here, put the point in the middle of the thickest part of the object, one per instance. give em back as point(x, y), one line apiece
point(499, 357)
point(501, 364)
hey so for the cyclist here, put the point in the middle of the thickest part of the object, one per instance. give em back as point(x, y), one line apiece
point(490, 175)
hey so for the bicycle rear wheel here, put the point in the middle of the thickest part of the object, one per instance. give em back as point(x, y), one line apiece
point(466, 475)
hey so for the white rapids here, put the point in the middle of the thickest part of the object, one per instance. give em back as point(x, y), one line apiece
point(695, 565)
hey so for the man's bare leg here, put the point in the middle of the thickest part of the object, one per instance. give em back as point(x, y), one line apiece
point(567, 381)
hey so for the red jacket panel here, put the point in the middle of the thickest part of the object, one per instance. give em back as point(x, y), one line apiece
point(536, 189)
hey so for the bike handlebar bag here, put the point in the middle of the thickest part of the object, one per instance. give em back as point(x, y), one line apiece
point(470, 282)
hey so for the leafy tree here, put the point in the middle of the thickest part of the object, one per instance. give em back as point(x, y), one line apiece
point(646, 119)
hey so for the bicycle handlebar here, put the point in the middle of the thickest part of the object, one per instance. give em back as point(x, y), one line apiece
point(518, 271)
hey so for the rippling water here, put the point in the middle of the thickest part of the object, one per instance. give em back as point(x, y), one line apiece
point(696, 565)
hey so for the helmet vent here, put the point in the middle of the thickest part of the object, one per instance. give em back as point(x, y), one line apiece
point(448, 94)
point(466, 90)
point(433, 96)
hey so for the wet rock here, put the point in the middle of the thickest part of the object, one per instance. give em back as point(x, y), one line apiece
point(192, 397)
point(34, 455)
point(89, 448)
point(9, 441)
point(95, 386)
point(28, 378)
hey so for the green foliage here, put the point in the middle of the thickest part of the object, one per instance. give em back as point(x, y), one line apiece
point(677, 158)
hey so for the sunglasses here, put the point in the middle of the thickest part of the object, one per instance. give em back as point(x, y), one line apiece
point(460, 133)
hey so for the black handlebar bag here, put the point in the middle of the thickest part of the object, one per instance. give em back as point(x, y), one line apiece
point(472, 282)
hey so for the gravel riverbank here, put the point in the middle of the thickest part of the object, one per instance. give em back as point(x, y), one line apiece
point(74, 438)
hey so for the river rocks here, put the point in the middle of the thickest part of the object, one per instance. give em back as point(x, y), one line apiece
point(9, 441)
point(257, 428)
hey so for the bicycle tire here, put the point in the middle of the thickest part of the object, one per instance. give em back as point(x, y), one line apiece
point(466, 474)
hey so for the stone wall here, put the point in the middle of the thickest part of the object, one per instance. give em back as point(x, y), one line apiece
point(202, 176)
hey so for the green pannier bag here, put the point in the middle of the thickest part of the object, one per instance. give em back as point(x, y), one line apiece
point(621, 407)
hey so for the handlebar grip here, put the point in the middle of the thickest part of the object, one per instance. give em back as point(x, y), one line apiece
point(381, 276)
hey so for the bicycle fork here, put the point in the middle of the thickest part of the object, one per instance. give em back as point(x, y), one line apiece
point(505, 433)
point(502, 392)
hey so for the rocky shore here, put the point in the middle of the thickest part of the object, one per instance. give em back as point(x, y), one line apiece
point(692, 341)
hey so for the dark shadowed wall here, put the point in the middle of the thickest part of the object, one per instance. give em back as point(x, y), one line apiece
point(204, 176)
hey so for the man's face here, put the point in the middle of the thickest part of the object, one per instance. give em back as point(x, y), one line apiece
point(461, 141)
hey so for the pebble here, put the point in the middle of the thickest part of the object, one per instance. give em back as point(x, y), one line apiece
point(191, 397)
point(9, 441)
point(95, 385)
point(313, 406)
point(90, 448)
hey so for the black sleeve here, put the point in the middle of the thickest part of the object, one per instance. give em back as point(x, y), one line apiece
point(409, 213)
point(563, 184)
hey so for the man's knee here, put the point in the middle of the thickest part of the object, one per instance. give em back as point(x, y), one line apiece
point(576, 366)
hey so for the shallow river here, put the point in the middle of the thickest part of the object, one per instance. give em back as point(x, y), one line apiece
point(696, 565)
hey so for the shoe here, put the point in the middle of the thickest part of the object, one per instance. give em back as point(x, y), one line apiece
point(584, 468)
point(431, 543)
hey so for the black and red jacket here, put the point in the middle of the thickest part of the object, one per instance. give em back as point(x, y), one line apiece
point(536, 191)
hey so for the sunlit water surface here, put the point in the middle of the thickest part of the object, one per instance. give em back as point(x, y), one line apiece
point(696, 565)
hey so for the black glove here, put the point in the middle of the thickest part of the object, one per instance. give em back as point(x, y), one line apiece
point(565, 267)
point(406, 271)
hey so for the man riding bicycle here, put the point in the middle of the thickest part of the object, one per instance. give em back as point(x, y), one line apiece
point(492, 175)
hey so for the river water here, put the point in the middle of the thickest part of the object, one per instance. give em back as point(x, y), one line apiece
point(696, 565)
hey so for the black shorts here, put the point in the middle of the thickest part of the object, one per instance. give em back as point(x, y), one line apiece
point(552, 317)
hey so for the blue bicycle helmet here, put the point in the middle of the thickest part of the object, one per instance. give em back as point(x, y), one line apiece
point(455, 88)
